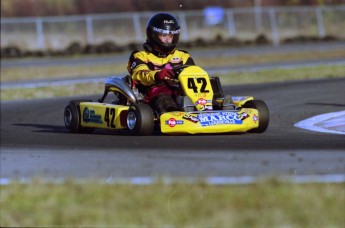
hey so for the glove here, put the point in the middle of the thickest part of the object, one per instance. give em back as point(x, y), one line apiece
point(164, 74)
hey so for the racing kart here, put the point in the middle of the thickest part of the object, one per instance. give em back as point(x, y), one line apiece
point(203, 108)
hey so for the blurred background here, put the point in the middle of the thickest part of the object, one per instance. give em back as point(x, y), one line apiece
point(60, 27)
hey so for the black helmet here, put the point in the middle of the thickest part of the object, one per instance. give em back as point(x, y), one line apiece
point(162, 23)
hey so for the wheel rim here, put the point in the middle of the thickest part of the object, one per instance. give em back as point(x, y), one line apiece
point(68, 117)
point(131, 120)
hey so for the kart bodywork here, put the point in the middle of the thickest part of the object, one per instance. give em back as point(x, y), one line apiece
point(204, 108)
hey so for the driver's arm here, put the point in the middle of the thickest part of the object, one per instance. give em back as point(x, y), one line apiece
point(139, 69)
point(142, 70)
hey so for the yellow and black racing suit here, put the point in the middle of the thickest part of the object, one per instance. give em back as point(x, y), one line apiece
point(143, 65)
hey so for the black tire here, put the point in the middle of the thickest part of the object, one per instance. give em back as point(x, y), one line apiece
point(264, 117)
point(140, 119)
point(72, 117)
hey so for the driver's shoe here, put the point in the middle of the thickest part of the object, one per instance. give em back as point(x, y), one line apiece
point(188, 105)
point(228, 103)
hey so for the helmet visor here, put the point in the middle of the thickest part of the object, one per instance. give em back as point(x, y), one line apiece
point(166, 37)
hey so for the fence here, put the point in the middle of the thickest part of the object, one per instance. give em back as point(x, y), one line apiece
point(276, 23)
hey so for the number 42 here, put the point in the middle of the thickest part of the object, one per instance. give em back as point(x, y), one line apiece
point(109, 117)
point(192, 85)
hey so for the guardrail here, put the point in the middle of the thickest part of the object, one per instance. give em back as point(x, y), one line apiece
point(276, 23)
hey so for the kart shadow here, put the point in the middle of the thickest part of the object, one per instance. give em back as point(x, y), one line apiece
point(45, 128)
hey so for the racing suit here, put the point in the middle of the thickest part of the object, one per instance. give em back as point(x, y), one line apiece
point(143, 65)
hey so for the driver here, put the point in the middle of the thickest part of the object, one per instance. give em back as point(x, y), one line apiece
point(152, 67)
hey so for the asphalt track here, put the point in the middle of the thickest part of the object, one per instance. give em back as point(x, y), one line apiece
point(34, 141)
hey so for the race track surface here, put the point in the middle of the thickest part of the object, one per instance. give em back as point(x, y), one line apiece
point(34, 141)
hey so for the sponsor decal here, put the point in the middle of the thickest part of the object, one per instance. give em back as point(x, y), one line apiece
point(201, 101)
point(133, 65)
point(208, 119)
point(243, 115)
point(208, 108)
point(163, 31)
point(255, 118)
point(175, 60)
point(172, 122)
point(168, 21)
point(200, 95)
point(91, 116)
point(204, 103)
point(191, 118)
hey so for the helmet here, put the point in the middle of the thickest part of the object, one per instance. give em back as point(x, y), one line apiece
point(163, 24)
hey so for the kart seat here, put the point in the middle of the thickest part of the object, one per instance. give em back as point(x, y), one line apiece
point(128, 80)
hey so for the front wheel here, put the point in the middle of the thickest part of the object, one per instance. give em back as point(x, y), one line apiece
point(140, 119)
point(264, 116)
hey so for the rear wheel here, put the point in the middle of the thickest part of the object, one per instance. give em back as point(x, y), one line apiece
point(72, 117)
point(263, 114)
point(140, 119)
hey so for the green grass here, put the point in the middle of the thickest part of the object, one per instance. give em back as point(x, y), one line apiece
point(276, 75)
point(33, 72)
point(266, 204)
point(44, 72)
point(284, 75)
point(50, 92)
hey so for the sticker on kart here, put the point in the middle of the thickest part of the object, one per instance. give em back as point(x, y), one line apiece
point(208, 119)
point(90, 116)
point(172, 122)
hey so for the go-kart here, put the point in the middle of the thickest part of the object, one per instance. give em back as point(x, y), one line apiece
point(203, 108)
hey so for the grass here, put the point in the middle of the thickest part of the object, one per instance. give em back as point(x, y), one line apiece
point(268, 203)
point(283, 75)
point(264, 76)
point(119, 67)
point(34, 73)
point(10, 74)
point(222, 61)
point(50, 92)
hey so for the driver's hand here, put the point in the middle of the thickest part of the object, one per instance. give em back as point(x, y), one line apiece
point(164, 74)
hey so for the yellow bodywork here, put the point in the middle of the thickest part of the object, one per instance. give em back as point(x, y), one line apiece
point(101, 115)
point(197, 86)
point(219, 121)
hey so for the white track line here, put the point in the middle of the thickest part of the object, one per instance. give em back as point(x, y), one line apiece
point(333, 122)
point(330, 178)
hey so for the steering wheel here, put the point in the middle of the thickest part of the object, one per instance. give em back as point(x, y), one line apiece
point(178, 69)
point(174, 82)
